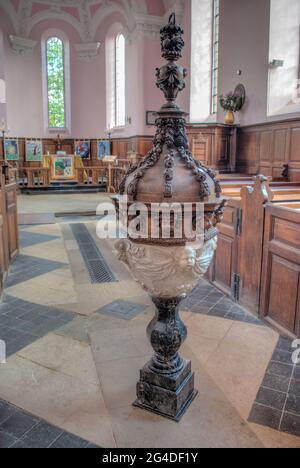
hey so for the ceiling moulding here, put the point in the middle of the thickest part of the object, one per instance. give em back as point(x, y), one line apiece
point(87, 51)
point(21, 45)
point(148, 25)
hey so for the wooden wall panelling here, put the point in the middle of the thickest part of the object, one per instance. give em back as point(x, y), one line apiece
point(201, 149)
point(224, 266)
point(280, 296)
point(214, 145)
point(266, 152)
point(248, 156)
point(4, 255)
point(253, 200)
point(12, 220)
point(294, 154)
point(267, 147)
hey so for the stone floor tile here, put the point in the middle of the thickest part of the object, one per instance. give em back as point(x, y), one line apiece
point(18, 424)
point(6, 440)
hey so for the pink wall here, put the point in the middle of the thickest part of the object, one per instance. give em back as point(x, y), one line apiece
point(2, 76)
point(88, 87)
point(153, 96)
point(244, 32)
point(244, 45)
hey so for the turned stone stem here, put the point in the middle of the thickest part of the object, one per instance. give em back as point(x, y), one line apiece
point(166, 333)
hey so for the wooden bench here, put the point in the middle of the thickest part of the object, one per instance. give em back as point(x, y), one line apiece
point(9, 238)
point(240, 268)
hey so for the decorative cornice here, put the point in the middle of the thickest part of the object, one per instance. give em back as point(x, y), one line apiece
point(87, 51)
point(148, 25)
point(137, 20)
point(21, 45)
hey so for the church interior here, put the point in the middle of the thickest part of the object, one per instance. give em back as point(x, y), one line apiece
point(185, 103)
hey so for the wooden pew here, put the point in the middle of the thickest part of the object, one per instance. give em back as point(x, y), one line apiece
point(9, 238)
point(33, 177)
point(280, 287)
point(237, 268)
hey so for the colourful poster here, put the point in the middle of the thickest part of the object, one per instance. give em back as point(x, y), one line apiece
point(34, 151)
point(63, 167)
point(83, 148)
point(103, 149)
point(11, 149)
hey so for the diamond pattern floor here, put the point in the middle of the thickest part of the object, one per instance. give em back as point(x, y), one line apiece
point(19, 429)
point(27, 267)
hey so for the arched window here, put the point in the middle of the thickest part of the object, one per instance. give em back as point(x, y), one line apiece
point(56, 82)
point(215, 59)
point(115, 80)
point(204, 59)
point(120, 80)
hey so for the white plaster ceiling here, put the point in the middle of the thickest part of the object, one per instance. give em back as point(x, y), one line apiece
point(83, 15)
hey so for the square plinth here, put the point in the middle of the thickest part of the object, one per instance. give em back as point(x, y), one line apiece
point(166, 395)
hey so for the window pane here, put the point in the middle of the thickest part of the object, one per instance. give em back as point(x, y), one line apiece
point(215, 54)
point(56, 83)
point(120, 80)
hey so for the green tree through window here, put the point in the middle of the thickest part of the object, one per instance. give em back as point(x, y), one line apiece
point(56, 82)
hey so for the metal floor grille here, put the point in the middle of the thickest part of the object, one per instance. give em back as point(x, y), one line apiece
point(96, 265)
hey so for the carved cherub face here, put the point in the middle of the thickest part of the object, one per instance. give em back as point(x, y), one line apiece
point(186, 259)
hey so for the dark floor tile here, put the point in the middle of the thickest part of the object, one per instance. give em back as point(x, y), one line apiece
point(48, 326)
point(295, 387)
point(238, 311)
point(28, 239)
point(225, 304)
point(252, 319)
point(61, 315)
point(297, 373)
point(69, 441)
point(18, 424)
point(20, 445)
point(271, 398)
point(5, 308)
point(211, 301)
point(216, 312)
point(20, 325)
point(42, 436)
point(276, 382)
point(282, 356)
point(27, 267)
point(291, 424)
point(200, 309)
point(6, 321)
point(265, 416)
point(21, 342)
point(6, 440)
point(9, 334)
point(122, 309)
point(6, 411)
point(15, 313)
point(278, 368)
point(293, 404)
point(285, 344)
point(236, 315)
point(29, 315)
